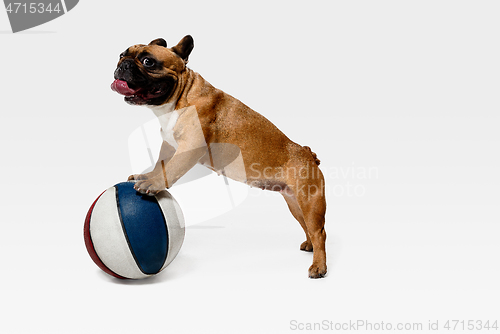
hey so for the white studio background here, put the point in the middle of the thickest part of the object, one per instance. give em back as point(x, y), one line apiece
point(399, 100)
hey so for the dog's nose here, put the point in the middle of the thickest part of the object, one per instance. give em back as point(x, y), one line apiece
point(127, 64)
point(123, 71)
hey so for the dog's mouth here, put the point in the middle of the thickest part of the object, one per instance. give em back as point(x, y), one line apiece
point(153, 94)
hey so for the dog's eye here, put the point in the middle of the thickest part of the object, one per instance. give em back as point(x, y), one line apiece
point(148, 62)
point(122, 55)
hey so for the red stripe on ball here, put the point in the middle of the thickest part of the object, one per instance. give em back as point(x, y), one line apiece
point(90, 245)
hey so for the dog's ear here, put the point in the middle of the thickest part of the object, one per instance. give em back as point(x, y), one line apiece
point(184, 47)
point(160, 42)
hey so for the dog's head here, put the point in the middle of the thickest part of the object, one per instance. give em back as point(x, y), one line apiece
point(149, 74)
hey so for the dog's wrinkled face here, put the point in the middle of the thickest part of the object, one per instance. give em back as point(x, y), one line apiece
point(148, 74)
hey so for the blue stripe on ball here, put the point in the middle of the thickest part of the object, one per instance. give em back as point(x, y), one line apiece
point(144, 226)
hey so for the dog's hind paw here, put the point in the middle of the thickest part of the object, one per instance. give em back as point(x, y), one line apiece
point(316, 271)
point(306, 246)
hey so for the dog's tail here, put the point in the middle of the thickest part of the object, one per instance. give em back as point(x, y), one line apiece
point(315, 157)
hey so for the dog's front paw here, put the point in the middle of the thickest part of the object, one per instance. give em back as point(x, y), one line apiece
point(150, 186)
point(137, 177)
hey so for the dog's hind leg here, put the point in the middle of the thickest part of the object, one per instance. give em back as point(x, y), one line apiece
point(294, 208)
point(309, 193)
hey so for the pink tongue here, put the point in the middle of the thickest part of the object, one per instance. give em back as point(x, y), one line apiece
point(121, 87)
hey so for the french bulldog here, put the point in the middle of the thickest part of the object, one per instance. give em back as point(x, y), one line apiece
point(201, 124)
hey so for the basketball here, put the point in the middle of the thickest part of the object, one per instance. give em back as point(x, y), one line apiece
point(133, 236)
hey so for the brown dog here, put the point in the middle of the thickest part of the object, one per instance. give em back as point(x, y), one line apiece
point(202, 124)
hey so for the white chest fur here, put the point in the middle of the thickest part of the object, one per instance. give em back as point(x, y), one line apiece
point(167, 117)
